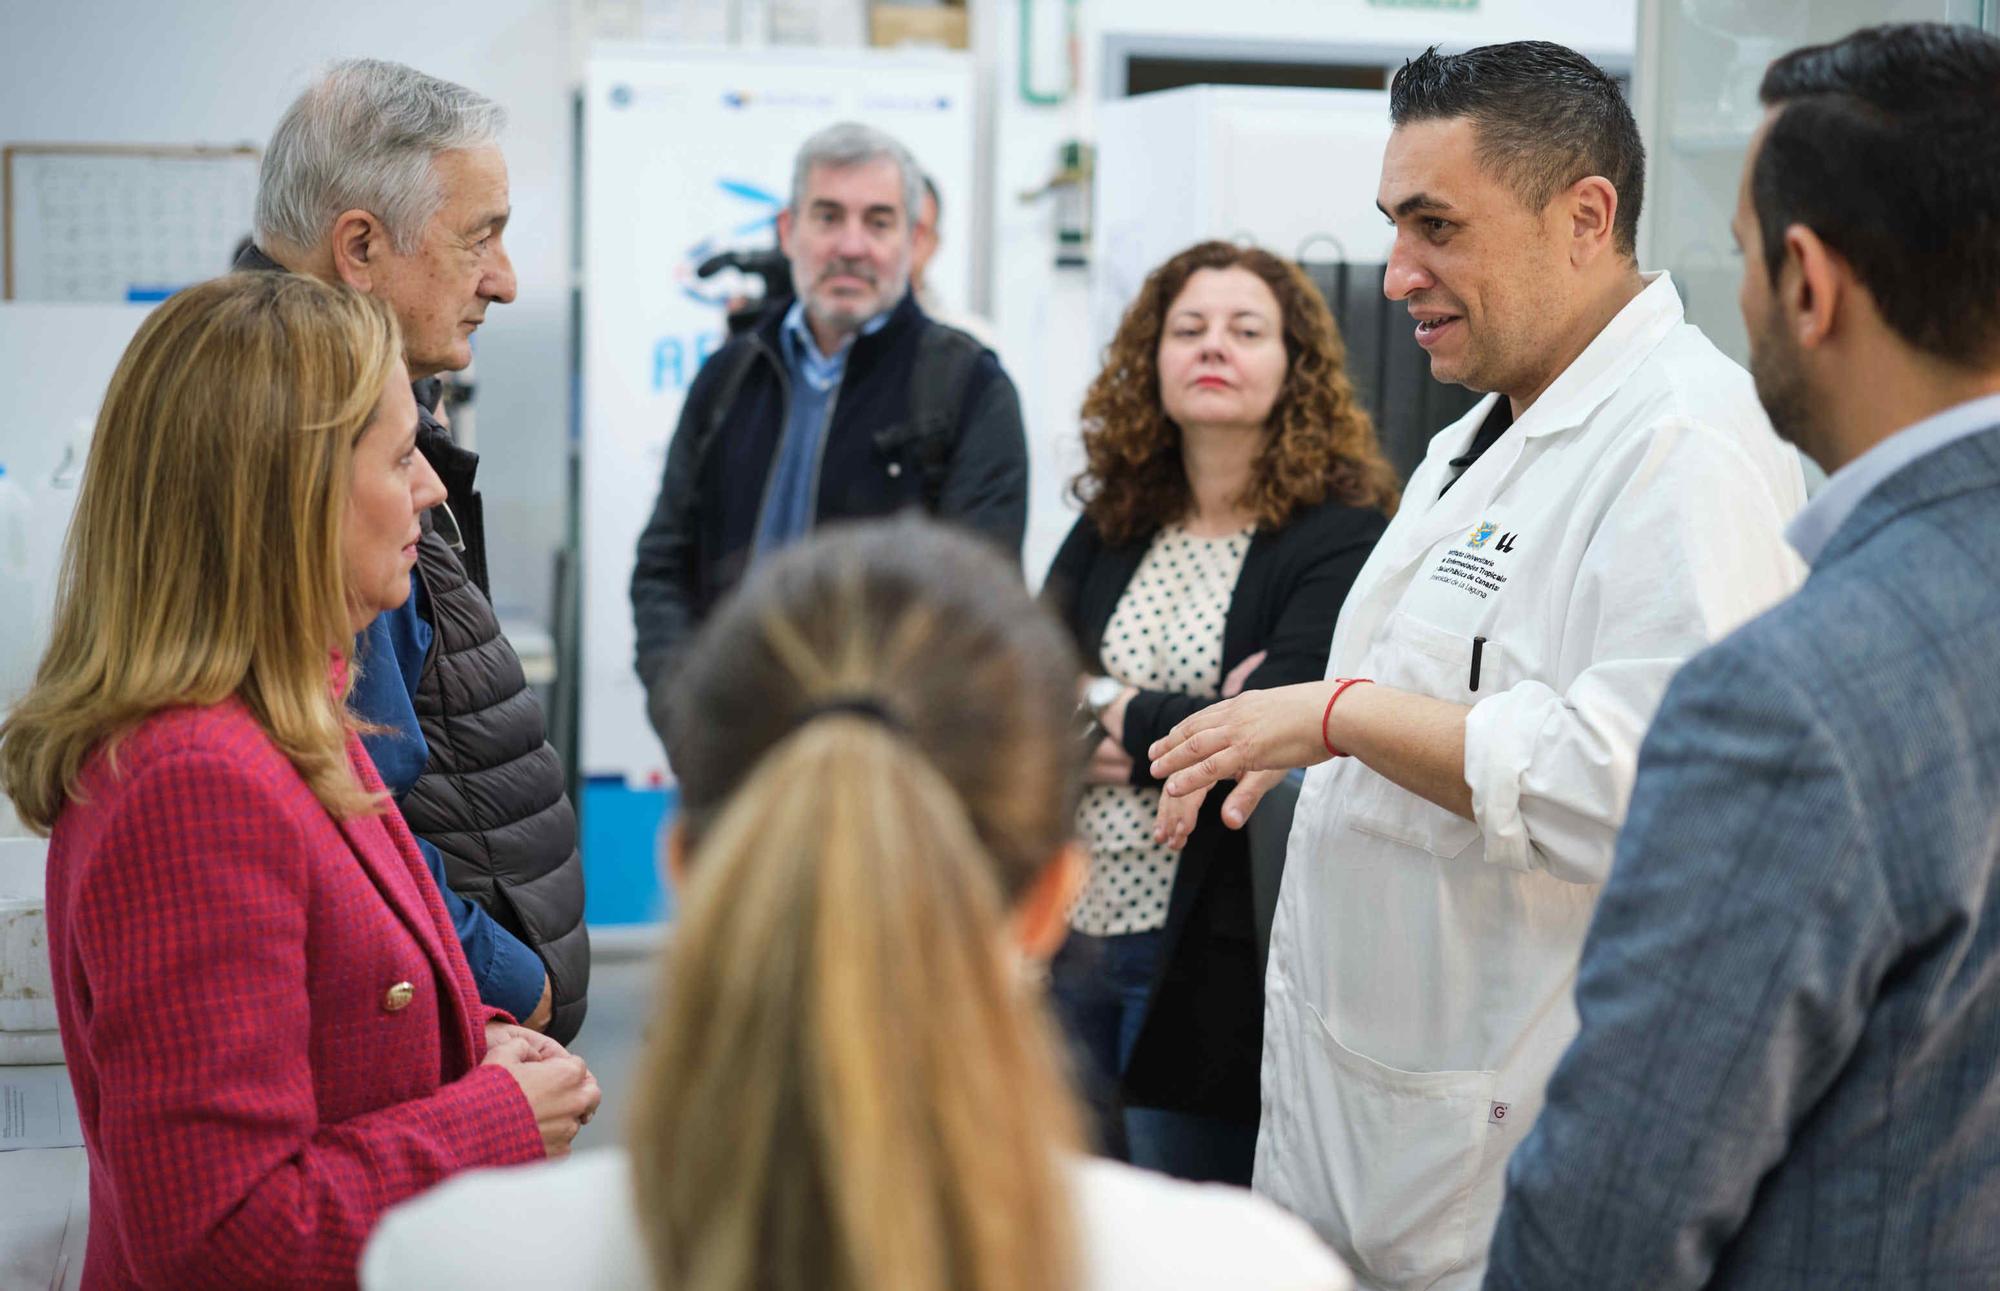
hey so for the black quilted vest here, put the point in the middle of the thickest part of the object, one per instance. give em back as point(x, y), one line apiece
point(491, 799)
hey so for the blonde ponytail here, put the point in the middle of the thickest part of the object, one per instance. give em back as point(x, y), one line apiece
point(853, 1087)
point(838, 1000)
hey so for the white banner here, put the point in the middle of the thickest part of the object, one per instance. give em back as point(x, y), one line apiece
point(687, 153)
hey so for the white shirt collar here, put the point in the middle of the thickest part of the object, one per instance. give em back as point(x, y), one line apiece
point(1591, 378)
point(1814, 527)
point(1597, 373)
point(802, 348)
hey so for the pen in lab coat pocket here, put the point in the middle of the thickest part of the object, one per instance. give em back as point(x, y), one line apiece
point(1478, 648)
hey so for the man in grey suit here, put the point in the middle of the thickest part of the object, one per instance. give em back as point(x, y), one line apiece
point(1788, 1073)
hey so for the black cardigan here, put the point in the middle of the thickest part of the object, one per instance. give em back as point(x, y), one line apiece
point(1203, 1036)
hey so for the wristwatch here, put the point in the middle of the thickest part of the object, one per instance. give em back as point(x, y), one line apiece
point(1102, 693)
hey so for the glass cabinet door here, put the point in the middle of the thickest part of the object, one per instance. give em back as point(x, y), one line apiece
point(1699, 64)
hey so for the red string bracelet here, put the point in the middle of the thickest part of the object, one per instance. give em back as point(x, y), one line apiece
point(1340, 688)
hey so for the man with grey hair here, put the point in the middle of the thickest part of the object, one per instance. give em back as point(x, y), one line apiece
point(391, 182)
point(850, 402)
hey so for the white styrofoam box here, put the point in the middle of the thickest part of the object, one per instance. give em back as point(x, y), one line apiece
point(30, 1048)
point(27, 993)
point(832, 24)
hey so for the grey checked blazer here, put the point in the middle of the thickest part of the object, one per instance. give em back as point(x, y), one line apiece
point(1788, 1074)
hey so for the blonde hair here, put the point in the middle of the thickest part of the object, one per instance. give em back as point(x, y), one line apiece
point(203, 561)
point(851, 1087)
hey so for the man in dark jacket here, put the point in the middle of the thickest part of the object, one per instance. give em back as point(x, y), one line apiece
point(848, 403)
point(389, 181)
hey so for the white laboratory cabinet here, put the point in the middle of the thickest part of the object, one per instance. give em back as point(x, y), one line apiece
point(1294, 171)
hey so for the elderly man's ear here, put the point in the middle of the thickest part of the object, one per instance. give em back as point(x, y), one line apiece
point(359, 242)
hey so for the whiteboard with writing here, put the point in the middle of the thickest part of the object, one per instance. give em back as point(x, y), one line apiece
point(108, 224)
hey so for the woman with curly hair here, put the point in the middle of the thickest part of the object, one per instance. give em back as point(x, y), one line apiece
point(1232, 490)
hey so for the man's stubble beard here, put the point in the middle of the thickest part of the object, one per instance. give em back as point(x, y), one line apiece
point(844, 320)
point(1784, 391)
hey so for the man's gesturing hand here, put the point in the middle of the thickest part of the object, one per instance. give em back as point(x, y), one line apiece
point(1268, 731)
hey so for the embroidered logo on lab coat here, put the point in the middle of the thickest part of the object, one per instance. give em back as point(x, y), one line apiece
point(1480, 535)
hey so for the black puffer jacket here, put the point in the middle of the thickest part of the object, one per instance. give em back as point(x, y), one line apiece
point(491, 799)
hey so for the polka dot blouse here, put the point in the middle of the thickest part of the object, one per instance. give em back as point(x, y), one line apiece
point(1165, 633)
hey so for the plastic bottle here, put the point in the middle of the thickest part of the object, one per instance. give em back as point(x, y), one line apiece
point(20, 626)
point(14, 531)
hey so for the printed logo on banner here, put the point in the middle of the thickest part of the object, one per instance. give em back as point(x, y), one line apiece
point(741, 99)
point(757, 232)
point(623, 96)
point(677, 358)
point(905, 103)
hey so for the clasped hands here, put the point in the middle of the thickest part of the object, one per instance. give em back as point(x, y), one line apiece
point(557, 1084)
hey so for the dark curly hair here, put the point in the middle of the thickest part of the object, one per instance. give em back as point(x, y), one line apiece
point(1323, 443)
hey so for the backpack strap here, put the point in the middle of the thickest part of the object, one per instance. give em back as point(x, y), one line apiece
point(943, 369)
point(729, 383)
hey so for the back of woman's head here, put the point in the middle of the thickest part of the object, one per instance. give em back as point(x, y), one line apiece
point(851, 1087)
point(1322, 442)
point(203, 560)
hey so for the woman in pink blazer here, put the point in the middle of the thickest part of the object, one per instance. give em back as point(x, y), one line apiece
point(271, 1029)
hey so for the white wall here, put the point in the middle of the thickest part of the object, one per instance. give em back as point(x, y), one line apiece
point(221, 72)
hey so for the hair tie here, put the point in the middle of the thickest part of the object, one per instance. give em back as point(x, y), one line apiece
point(853, 706)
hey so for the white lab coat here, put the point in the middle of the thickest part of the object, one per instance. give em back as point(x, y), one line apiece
point(1421, 965)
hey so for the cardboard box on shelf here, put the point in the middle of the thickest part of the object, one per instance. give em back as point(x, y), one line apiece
point(938, 25)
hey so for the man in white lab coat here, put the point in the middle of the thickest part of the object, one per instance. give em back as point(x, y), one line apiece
point(1616, 504)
